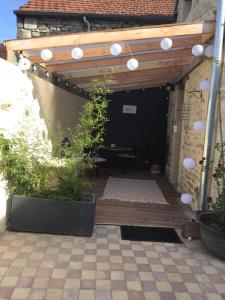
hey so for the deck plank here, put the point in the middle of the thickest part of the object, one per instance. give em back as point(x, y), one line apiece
point(116, 212)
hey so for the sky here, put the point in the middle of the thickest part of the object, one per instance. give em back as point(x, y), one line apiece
point(8, 19)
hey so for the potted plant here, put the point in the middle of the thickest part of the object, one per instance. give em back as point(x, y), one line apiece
point(212, 223)
point(27, 164)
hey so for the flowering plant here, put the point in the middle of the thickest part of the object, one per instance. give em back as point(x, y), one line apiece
point(218, 174)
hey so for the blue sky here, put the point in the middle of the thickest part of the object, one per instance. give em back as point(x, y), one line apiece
point(8, 19)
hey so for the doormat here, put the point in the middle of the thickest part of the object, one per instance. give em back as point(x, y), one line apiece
point(133, 190)
point(149, 234)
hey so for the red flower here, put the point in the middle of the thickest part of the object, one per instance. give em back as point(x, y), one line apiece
point(220, 165)
point(214, 175)
point(203, 158)
point(201, 162)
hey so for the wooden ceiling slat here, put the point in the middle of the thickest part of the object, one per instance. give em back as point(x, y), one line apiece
point(139, 86)
point(121, 69)
point(128, 74)
point(139, 33)
point(115, 61)
point(165, 77)
point(100, 51)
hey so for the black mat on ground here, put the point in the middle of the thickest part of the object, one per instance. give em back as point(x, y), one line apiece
point(149, 234)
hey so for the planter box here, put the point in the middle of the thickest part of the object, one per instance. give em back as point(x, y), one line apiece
point(42, 215)
point(213, 240)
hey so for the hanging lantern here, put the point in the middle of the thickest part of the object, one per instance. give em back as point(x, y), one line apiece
point(115, 49)
point(209, 51)
point(189, 163)
point(186, 198)
point(24, 64)
point(77, 53)
point(132, 64)
point(166, 43)
point(199, 126)
point(197, 50)
point(46, 54)
point(204, 85)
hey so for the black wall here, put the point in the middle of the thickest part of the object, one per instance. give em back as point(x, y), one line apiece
point(146, 130)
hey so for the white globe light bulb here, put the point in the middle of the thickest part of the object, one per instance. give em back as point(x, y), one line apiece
point(189, 163)
point(204, 85)
point(186, 198)
point(197, 50)
point(199, 126)
point(24, 64)
point(132, 64)
point(115, 49)
point(166, 43)
point(46, 54)
point(77, 53)
point(209, 51)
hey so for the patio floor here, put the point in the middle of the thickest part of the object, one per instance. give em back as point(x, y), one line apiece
point(114, 212)
point(104, 267)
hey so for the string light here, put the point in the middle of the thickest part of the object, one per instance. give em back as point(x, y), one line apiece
point(115, 49)
point(46, 54)
point(189, 163)
point(77, 53)
point(24, 64)
point(204, 85)
point(186, 198)
point(197, 50)
point(166, 43)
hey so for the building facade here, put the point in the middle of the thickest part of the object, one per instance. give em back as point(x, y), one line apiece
point(187, 104)
point(55, 17)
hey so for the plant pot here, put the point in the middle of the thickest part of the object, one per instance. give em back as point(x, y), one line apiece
point(42, 215)
point(155, 169)
point(213, 239)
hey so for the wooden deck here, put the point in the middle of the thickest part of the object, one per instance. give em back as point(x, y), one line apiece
point(141, 214)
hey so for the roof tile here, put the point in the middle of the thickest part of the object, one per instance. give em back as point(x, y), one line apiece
point(104, 7)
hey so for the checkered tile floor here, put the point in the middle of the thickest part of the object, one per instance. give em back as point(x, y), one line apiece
point(34, 266)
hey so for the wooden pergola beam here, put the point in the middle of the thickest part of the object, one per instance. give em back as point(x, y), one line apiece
point(205, 28)
point(115, 61)
point(104, 51)
point(123, 68)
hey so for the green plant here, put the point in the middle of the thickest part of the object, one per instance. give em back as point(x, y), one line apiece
point(85, 139)
point(22, 163)
point(218, 175)
point(26, 156)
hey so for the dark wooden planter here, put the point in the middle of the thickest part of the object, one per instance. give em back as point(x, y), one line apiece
point(42, 215)
point(213, 240)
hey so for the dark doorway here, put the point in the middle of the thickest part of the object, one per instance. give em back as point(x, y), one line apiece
point(146, 129)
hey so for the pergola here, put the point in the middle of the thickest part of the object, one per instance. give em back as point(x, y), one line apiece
point(157, 67)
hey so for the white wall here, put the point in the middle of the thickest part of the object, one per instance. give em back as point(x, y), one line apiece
point(47, 104)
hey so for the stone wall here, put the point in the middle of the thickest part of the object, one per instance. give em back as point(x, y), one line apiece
point(174, 134)
point(192, 143)
point(28, 27)
point(196, 10)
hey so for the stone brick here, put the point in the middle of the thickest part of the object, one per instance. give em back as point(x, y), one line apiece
point(30, 23)
point(23, 33)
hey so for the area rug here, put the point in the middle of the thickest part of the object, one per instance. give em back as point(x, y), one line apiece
point(133, 190)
